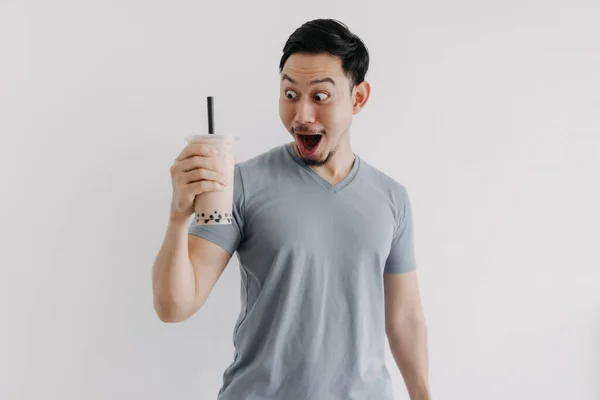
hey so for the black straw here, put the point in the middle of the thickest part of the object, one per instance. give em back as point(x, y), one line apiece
point(211, 128)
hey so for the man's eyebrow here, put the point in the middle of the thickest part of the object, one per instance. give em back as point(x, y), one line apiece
point(313, 82)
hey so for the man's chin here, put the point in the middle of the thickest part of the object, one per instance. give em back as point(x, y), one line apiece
point(315, 162)
point(317, 159)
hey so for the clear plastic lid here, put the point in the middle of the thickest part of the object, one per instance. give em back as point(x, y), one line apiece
point(192, 138)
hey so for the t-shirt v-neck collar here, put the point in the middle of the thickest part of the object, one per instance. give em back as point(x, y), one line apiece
point(334, 188)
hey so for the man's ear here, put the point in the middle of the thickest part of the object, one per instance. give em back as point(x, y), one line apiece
point(360, 96)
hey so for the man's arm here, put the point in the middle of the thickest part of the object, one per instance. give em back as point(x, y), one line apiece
point(406, 331)
point(185, 272)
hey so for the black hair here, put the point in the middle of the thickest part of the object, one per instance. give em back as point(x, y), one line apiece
point(333, 37)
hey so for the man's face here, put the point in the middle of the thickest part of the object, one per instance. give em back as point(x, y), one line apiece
point(316, 104)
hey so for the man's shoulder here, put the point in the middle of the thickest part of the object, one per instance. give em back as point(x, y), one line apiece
point(383, 180)
point(266, 159)
point(392, 190)
point(261, 170)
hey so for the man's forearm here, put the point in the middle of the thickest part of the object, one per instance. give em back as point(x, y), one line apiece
point(173, 278)
point(408, 343)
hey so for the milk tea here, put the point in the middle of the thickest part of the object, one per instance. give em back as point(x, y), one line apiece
point(217, 207)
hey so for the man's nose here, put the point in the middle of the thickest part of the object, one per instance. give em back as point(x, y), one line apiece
point(305, 113)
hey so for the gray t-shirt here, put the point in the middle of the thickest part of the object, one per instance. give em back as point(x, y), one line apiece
point(312, 257)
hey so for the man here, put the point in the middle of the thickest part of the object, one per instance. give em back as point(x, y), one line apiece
point(324, 240)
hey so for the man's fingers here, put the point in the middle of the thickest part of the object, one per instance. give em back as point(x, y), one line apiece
point(197, 149)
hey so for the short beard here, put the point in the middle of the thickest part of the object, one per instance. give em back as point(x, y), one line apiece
point(314, 163)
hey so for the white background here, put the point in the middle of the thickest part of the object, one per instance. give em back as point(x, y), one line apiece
point(486, 111)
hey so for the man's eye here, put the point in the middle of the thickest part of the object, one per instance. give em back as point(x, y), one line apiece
point(321, 96)
point(290, 94)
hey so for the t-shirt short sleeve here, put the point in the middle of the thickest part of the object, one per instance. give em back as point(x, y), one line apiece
point(227, 236)
point(402, 256)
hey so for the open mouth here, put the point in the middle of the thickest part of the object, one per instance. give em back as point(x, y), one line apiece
point(309, 143)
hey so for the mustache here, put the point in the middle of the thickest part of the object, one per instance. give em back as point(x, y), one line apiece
point(303, 129)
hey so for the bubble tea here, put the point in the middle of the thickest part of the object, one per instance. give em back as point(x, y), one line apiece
point(217, 207)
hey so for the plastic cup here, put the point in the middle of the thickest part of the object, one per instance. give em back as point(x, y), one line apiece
point(216, 208)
